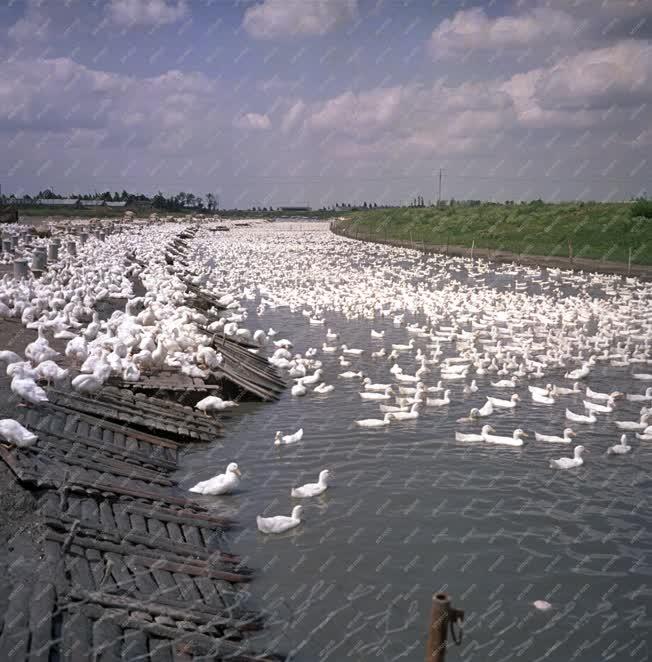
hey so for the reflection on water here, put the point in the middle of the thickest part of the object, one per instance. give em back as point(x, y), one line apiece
point(411, 511)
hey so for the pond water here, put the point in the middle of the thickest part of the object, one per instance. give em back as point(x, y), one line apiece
point(411, 511)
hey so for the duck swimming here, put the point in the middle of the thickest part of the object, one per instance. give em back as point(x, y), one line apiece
point(312, 489)
point(222, 484)
point(568, 462)
point(280, 523)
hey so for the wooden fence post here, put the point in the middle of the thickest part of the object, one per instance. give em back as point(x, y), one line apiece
point(629, 261)
point(570, 252)
point(442, 617)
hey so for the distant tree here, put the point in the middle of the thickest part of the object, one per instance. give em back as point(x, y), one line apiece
point(364, 204)
point(199, 203)
point(642, 208)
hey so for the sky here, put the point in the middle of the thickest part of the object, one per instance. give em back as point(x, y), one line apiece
point(293, 102)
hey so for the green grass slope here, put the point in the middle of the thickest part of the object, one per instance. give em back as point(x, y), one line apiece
point(601, 231)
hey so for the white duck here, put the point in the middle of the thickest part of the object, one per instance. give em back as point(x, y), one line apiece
point(27, 389)
point(564, 439)
point(368, 386)
point(349, 350)
point(542, 399)
point(13, 432)
point(568, 462)
point(377, 334)
point(375, 422)
point(486, 429)
point(314, 378)
point(280, 523)
point(349, 374)
point(505, 383)
point(312, 489)
point(562, 390)
point(323, 388)
point(282, 440)
point(213, 403)
point(407, 415)
point(621, 448)
point(299, 388)
point(634, 426)
point(222, 484)
point(603, 409)
point(580, 418)
point(51, 372)
point(603, 397)
point(515, 440)
point(504, 404)
point(373, 395)
point(439, 402)
point(632, 397)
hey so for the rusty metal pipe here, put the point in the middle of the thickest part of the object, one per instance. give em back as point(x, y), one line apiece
point(442, 618)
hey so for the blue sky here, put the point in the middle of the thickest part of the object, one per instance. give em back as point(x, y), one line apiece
point(318, 101)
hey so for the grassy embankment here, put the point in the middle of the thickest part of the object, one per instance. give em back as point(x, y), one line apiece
point(599, 231)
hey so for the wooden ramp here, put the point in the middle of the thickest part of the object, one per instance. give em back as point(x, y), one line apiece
point(140, 412)
point(251, 372)
point(132, 569)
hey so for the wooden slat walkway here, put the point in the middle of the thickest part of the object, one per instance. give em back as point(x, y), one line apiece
point(130, 565)
point(157, 416)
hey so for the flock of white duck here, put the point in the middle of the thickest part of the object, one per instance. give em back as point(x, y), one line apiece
point(469, 332)
point(472, 335)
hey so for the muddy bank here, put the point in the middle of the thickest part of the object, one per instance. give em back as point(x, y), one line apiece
point(641, 271)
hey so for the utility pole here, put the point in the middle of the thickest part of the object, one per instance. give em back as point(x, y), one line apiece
point(439, 194)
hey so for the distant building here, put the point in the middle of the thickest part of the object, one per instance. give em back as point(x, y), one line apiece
point(57, 202)
point(74, 202)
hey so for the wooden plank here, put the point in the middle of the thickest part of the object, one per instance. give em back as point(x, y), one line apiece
point(160, 650)
point(106, 447)
point(181, 516)
point(134, 646)
point(80, 569)
point(124, 429)
point(107, 520)
point(123, 578)
point(107, 640)
point(166, 585)
point(76, 642)
point(197, 643)
point(15, 633)
point(40, 621)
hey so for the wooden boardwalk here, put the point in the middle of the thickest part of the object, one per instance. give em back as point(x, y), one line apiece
point(129, 567)
point(132, 569)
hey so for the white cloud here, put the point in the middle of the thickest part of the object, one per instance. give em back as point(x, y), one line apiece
point(33, 26)
point(278, 18)
point(132, 13)
point(253, 121)
point(571, 94)
point(174, 108)
point(361, 113)
point(293, 116)
point(472, 29)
